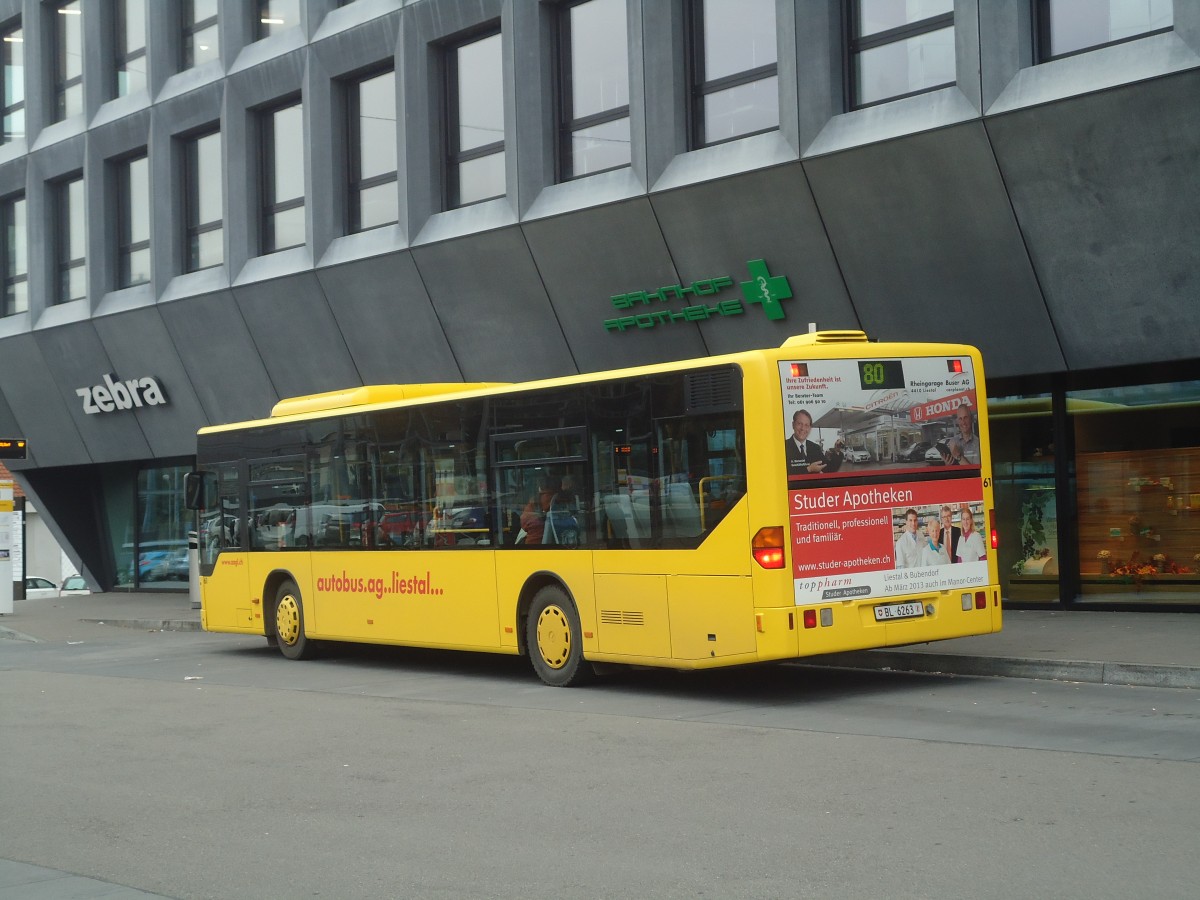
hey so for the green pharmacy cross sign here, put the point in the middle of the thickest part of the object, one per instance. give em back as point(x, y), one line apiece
point(642, 308)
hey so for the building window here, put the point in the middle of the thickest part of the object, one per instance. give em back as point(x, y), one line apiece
point(71, 237)
point(1065, 27)
point(12, 71)
point(275, 16)
point(593, 88)
point(201, 41)
point(68, 60)
point(735, 82)
point(474, 121)
point(133, 221)
point(15, 250)
point(899, 49)
point(371, 130)
point(203, 208)
point(282, 184)
point(130, 25)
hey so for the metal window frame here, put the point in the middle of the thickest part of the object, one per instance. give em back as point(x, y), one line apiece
point(10, 278)
point(269, 207)
point(453, 157)
point(192, 226)
point(192, 27)
point(1041, 35)
point(856, 45)
point(125, 245)
point(7, 30)
point(355, 183)
point(568, 123)
point(62, 216)
point(699, 87)
point(63, 84)
point(121, 58)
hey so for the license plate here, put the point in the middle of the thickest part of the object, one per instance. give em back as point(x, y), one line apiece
point(899, 611)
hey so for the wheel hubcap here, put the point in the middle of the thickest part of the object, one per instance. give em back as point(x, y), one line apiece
point(554, 637)
point(287, 620)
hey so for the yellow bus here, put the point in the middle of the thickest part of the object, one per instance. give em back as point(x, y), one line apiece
point(833, 494)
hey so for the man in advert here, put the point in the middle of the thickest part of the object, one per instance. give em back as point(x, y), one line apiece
point(803, 456)
point(908, 545)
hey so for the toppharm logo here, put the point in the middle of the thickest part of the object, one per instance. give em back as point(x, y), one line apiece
point(114, 395)
point(763, 289)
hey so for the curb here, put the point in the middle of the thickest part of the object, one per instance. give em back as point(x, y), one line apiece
point(149, 624)
point(1087, 671)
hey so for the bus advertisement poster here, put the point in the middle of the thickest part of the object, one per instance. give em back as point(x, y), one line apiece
point(888, 540)
point(848, 417)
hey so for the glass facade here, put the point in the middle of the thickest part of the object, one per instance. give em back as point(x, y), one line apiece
point(475, 122)
point(202, 202)
point(1098, 493)
point(201, 38)
point(273, 16)
point(130, 25)
point(898, 49)
point(133, 248)
point(147, 525)
point(371, 127)
point(594, 132)
point(735, 69)
point(12, 70)
point(71, 235)
point(282, 178)
point(1072, 26)
point(16, 256)
point(68, 60)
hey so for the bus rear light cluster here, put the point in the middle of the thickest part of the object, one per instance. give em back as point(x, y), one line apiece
point(992, 529)
point(978, 600)
point(767, 547)
point(810, 617)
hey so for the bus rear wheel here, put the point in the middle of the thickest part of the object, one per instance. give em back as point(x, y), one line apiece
point(289, 623)
point(555, 640)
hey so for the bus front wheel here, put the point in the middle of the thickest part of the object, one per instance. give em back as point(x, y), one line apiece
point(289, 623)
point(555, 640)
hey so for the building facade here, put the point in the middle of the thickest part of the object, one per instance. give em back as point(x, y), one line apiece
point(215, 204)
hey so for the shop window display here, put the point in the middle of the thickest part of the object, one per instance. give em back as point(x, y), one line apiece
point(1138, 463)
point(1023, 458)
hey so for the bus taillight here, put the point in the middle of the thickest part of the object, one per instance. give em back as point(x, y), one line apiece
point(992, 529)
point(767, 547)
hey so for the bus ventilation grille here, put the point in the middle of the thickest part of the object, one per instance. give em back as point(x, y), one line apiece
point(621, 617)
point(714, 391)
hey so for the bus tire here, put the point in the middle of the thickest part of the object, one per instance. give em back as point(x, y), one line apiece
point(289, 623)
point(555, 640)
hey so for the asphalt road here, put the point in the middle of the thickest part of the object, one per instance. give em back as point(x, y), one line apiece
point(197, 765)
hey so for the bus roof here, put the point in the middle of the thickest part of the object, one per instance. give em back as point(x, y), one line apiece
point(365, 397)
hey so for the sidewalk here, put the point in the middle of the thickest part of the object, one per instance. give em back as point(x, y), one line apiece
point(1152, 649)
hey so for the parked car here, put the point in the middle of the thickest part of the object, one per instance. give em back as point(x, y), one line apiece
point(38, 588)
point(915, 453)
point(74, 585)
point(178, 568)
point(858, 455)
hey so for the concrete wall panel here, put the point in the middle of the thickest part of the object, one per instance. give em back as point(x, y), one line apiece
point(40, 412)
point(388, 321)
point(714, 228)
point(142, 344)
point(1106, 190)
point(930, 249)
point(589, 256)
point(82, 361)
point(493, 308)
point(222, 361)
point(296, 334)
